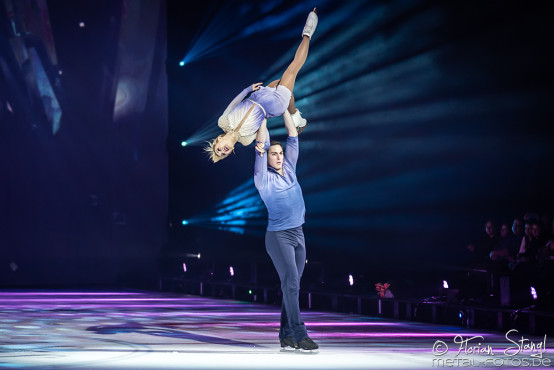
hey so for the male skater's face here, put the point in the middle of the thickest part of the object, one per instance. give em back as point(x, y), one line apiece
point(275, 157)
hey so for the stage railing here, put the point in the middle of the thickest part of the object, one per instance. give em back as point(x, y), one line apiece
point(434, 309)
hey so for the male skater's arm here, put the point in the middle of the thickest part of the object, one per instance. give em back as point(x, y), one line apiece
point(292, 141)
point(261, 148)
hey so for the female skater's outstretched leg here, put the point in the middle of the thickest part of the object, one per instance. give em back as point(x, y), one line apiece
point(289, 77)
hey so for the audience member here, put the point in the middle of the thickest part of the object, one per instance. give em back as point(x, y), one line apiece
point(517, 227)
point(526, 237)
point(535, 243)
point(517, 236)
point(526, 255)
point(504, 231)
point(480, 251)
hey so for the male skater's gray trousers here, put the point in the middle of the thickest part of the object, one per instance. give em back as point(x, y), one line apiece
point(287, 250)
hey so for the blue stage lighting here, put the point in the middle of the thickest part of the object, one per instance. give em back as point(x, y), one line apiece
point(184, 143)
point(182, 63)
point(347, 198)
point(185, 222)
point(242, 211)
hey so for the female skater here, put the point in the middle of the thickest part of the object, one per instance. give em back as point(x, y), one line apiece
point(242, 119)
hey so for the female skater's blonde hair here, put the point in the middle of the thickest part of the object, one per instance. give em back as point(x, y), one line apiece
point(210, 150)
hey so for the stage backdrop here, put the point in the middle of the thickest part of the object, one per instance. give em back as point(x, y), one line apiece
point(83, 141)
point(425, 119)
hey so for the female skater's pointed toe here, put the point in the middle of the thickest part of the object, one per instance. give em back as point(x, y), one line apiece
point(311, 24)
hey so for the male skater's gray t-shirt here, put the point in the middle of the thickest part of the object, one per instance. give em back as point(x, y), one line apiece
point(282, 195)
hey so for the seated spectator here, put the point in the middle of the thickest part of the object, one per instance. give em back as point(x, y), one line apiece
point(535, 244)
point(517, 229)
point(517, 236)
point(527, 269)
point(509, 245)
point(504, 231)
point(482, 249)
point(500, 255)
point(526, 238)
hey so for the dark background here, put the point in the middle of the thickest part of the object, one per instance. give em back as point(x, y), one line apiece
point(85, 204)
point(425, 119)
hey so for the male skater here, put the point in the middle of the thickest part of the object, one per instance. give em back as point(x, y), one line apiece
point(284, 239)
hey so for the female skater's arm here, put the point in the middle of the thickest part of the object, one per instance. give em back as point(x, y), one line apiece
point(261, 148)
point(241, 96)
point(291, 153)
point(223, 121)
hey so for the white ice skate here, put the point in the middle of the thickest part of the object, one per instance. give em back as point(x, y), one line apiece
point(311, 24)
point(299, 121)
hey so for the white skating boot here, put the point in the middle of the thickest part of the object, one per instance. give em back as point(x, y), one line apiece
point(299, 122)
point(311, 24)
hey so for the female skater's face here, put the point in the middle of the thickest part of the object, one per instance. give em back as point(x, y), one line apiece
point(223, 146)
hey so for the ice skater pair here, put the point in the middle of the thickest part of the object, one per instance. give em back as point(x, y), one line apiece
point(243, 117)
